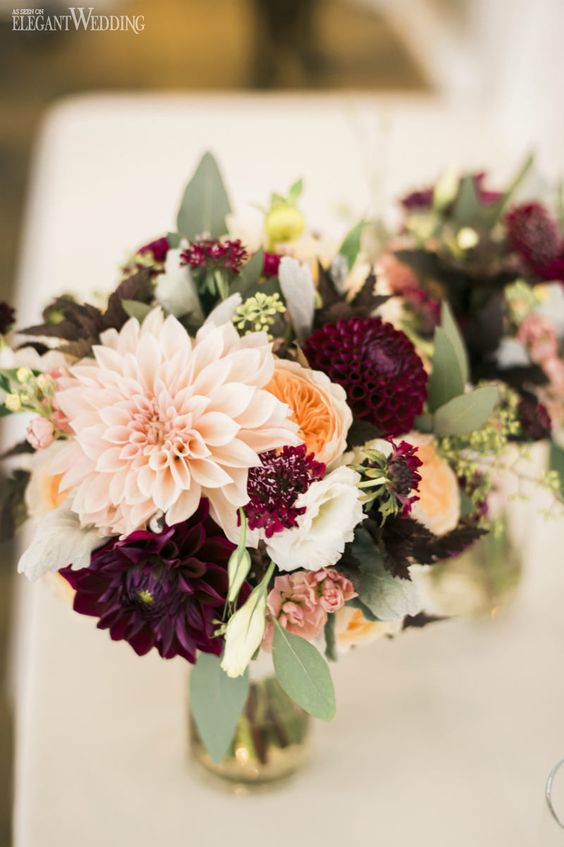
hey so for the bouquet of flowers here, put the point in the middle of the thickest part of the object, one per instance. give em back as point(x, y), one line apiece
point(235, 453)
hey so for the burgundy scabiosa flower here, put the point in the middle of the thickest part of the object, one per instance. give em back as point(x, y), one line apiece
point(7, 318)
point(270, 263)
point(161, 590)
point(158, 249)
point(534, 419)
point(212, 254)
point(378, 367)
point(535, 236)
point(275, 485)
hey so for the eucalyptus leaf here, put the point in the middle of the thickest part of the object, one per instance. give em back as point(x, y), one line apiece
point(350, 247)
point(217, 702)
point(205, 204)
point(174, 239)
point(466, 413)
point(446, 380)
point(387, 597)
point(424, 423)
point(303, 673)
point(136, 309)
point(467, 209)
point(248, 280)
point(453, 334)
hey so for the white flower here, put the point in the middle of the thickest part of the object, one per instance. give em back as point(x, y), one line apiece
point(59, 541)
point(299, 295)
point(224, 311)
point(244, 634)
point(332, 510)
point(176, 291)
point(42, 494)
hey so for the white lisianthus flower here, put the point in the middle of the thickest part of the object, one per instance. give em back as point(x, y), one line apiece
point(176, 290)
point(299, 295)
point(244, 634)
point(332, 510)
point(59, 541)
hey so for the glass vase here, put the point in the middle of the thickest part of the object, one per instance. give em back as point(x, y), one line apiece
point(482, 581)
point(270, 744)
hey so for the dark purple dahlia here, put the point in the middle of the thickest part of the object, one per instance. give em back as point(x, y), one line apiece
point(212, 254)
point(535, 236)
point(378, 367)
point(160, 590)
point(275, 486)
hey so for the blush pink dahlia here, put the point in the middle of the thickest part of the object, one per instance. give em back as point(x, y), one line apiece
point(160, 420)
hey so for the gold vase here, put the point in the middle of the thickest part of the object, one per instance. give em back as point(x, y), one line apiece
point(270, 744)
point(481, 581)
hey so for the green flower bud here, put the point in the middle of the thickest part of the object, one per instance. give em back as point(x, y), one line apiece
point(284, 223)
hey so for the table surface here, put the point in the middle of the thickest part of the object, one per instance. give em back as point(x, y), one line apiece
point(444, 736)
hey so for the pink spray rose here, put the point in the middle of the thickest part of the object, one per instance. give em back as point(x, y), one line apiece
point(301, 601)
point(538, 335)
point(40, 433)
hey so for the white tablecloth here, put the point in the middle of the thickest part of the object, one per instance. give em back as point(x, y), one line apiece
point(443, 737)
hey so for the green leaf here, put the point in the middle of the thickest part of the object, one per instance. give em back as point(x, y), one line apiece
point(467, 209)
point(205, 204)
point(446, 379)
point(216, 702)
point(387, 597)
point(453, 334)
point(466, 413)
point(303, 673)
point(173, 240)
point(136, 309)
point(350, 247)
point(499, 207)
point(248, 280)
point(556, 463)
point(424, 423)
point(357, 603)
point(330, 643)
point(295, 192)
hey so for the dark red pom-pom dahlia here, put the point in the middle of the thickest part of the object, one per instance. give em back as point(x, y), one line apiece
point(160, 590)
point(534, 235)
point(377, 366)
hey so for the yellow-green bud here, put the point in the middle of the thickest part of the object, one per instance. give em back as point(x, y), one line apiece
point(13, 402)
point(23, 374)
point(467, 238)
point(284, 223)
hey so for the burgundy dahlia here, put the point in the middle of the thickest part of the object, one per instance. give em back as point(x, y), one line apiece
point(211, 254)
point(534, 419)
point(276, 484)
point(535, 236)
point(160, 590)
point(7, 318)
point(377, 366)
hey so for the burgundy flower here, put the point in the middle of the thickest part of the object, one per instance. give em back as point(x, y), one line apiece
point(377, 366)
point(211, 254)
point(423, 198)
point(160, 590)
point(270, 264)
point(403, 474)
point(534, 419)
point(158, 248)
point(276, 484)
point(7, 318)
point(535, 236)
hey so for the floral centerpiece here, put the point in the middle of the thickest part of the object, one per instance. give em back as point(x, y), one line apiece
point(235, 456)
